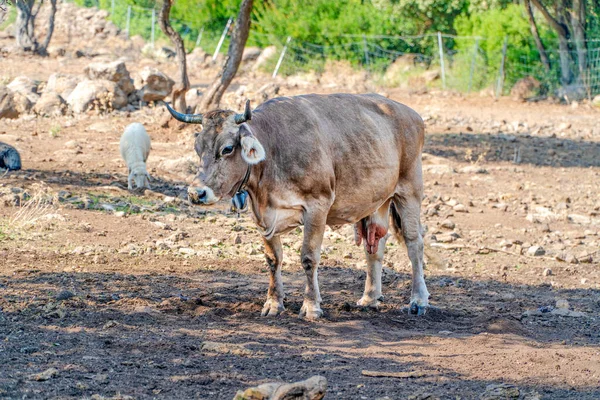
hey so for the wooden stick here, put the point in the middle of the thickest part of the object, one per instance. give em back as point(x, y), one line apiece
point(401, 375)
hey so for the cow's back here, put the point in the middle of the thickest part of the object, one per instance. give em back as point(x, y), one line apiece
point(355, 146)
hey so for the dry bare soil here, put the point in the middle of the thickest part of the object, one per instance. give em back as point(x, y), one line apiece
point(109, 293)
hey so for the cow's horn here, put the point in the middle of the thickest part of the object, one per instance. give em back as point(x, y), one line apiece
point(246, 116)
point(189, 118)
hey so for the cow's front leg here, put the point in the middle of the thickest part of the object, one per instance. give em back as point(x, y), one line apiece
point(314, 228)
point(274, 255)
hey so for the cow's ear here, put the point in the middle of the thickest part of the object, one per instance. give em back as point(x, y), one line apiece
point(252, 151)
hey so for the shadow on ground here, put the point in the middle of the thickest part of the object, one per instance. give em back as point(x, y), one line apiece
point(143, 335)
point(525, 149)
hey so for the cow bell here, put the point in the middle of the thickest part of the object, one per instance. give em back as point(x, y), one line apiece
point(239, 201)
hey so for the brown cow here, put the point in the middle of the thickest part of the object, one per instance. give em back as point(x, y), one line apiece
point(318, 160)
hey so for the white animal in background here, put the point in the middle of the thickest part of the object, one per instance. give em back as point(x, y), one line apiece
point(135, 148)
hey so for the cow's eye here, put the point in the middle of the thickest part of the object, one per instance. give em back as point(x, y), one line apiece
point(227, 150)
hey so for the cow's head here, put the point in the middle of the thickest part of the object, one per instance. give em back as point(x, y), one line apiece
point(226, 147)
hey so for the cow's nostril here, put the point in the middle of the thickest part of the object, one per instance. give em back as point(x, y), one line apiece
point(201, 194)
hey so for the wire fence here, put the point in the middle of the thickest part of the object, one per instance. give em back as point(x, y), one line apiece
point(453, 62)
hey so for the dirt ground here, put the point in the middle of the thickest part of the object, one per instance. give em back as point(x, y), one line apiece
point(111, 294)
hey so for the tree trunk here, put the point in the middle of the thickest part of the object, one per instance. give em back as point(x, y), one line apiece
point(25, 25)
point(43, 49)
point(183, 85)
point(213, 95)
point(578, 25)
point(566, 75)
point(536, 36)
point(558, 23)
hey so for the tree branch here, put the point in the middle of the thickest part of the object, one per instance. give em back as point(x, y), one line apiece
point(536, 36)
point(183, 85)
point(557, 26)
point(213, 95)
point(43, 49)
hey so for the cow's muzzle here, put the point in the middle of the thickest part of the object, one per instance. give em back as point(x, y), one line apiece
point(201, 195)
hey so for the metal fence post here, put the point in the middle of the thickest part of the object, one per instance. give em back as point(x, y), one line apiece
point(500, 85)
point(366, 50)
point(128, 21)
point(441, 49)
point(199, 37)
point(222, 39)
point(153, 23)
point(475, 50)
point(280, 60)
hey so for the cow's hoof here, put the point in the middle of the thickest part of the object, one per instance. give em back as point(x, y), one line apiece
point(310, 312)
point(416, 309)
point(370, 302)
point(272, 308)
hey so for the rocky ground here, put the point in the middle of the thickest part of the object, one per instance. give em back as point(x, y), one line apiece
point(108, 294)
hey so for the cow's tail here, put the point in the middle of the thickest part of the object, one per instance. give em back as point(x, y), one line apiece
point(432, 258)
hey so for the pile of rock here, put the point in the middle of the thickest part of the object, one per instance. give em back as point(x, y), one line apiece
point(103, 87)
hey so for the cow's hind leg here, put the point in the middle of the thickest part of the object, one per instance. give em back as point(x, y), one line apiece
point(274, 255)
point(314, 228)
point(406, 216)
point(373, 230)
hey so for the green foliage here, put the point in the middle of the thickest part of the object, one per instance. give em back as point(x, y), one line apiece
point(10, 17)
point(494, 26)
point(320, 22)
point(417, 17)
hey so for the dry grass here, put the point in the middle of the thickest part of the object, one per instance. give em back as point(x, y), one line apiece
point(36, 214)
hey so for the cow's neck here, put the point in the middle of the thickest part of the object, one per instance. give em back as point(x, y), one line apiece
point(257, 197)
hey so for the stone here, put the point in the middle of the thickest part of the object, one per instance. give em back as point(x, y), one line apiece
point(562, 303)
point(525, 88)
point(445, 238)
point(536, 251)
point(573, 92)
point(563, 312)
point(264, 57)
point(7, 105)
point(24, 85)
point(50, 104)
point(187, 251)
point(153, 85)
point(115, 71)
point(267, 91)
point(198, 58)
point(313, 388)
point(227, 348)
point(56, 51)
point(398, 69)
point(45, 375)
point(430, 76)
point(102, 95)
point(63, 84)
point(460, 208)
point(193, 98)
point(186, 164)
point(251, 54)
point(571, 259)
point(473, 169)
point(448, 224)
point(23, 104)
point(64, 295)
point(547, 272)
point(502, 391)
